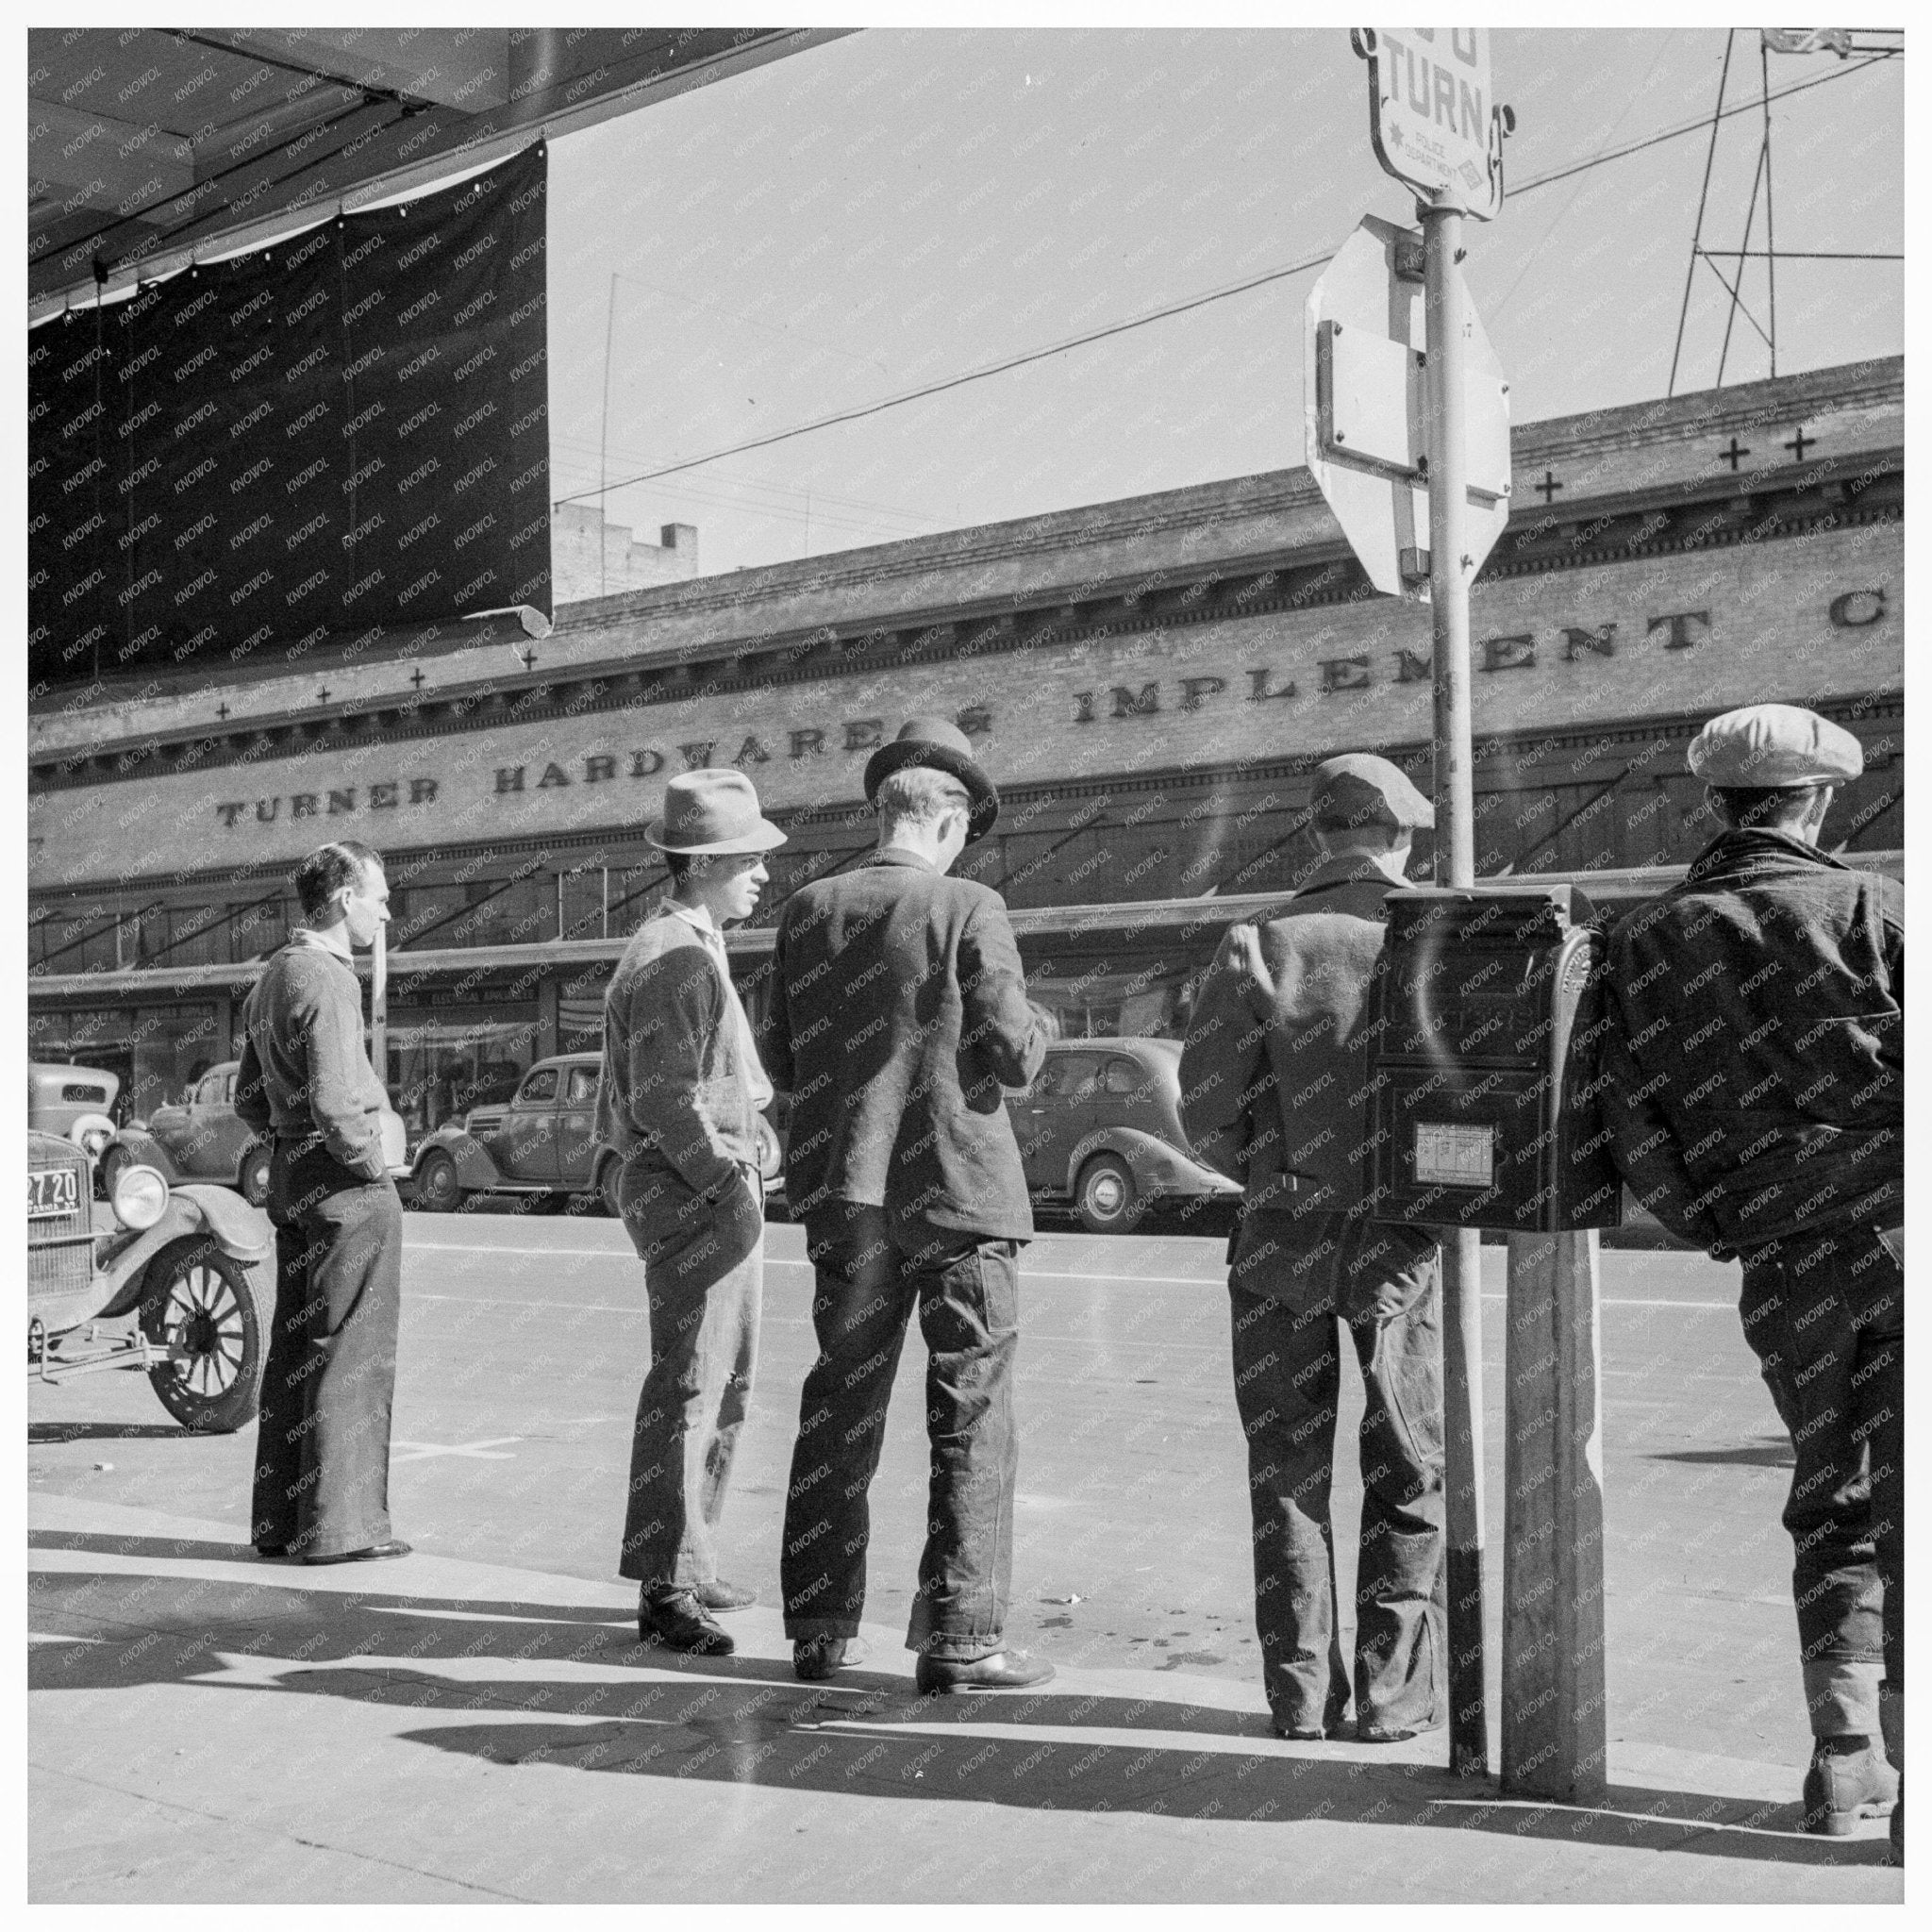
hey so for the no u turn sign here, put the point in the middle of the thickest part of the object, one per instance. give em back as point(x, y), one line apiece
point(1433, 113)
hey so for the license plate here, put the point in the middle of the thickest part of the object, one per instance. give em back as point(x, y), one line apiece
point(52, 1190)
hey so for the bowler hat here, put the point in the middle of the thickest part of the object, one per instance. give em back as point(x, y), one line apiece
point(1766, 747)
point(1361, 789)
point(712, 810)
point(939, 743)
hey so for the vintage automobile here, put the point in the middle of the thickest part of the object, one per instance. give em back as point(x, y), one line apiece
point(204, 1138)
point(200, 1138)
point(1100, 1128)
point(195, 1266)
point(74, 1102)
point(541, 1141)
point(542, 1144)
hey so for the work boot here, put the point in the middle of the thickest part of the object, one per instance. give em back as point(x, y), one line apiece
point(1892, 1726)
point(1005, 1670)
point(677, 1620)
point(815, 1659)
point(1848, 1780)
point(719, 1596)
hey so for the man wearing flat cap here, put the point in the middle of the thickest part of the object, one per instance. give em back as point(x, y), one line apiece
point(1754, 1081)
point(899, 1011)
point(679, 1100)
point(1276, 1081)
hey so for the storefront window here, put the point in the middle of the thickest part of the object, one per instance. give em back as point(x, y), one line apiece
point(156, 1052)
point(445, 1060)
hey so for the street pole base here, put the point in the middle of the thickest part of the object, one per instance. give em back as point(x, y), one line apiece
point(1469, 1721)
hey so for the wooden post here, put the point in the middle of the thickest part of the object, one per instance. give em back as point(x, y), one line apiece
point(1553, 1735)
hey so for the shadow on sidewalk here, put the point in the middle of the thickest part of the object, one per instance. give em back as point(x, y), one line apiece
point(746, 1721)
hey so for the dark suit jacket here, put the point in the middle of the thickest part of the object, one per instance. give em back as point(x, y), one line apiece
point(1277, 1072)
point(675, 1099)
point(898, 1010)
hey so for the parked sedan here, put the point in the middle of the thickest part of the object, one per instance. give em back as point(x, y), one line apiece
point(199, 1137)
point(541, 1142)
point(1100, 1128)
point(205, 1139)
point(75, 1102)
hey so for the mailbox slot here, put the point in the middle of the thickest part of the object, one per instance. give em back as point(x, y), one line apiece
point(1481, 1115)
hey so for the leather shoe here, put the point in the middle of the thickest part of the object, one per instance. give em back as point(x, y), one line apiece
point(395, 1546)
point(678, 1621)
point(270, 1552)
point(1848, 1780)
point(1369, 1731)
point(719, 1596)
point(1301, 1734)
point(815, 1659)
point(1005, 1670)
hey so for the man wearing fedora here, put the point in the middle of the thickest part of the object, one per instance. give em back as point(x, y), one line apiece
point(1276, 1077)
point(1766, 1123)
point(680, 1101)
point(899, 1011)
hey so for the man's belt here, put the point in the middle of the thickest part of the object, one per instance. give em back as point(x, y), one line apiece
point(296, 1145)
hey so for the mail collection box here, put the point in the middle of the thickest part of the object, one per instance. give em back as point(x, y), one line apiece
point(1482, 1113)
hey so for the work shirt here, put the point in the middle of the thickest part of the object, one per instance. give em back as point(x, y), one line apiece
point(1753, 1065)
point(305, 1071)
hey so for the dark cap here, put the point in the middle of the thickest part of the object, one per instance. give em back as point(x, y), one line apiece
point(1360, 789)
point(939, 743)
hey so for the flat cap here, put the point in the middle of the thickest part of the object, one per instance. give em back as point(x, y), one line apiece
point(1764, 746)
point(1361, 789)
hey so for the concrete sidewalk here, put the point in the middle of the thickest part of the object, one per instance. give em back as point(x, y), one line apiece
point(207, 1727)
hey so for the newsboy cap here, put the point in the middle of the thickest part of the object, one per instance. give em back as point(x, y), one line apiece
point(1766, 746)
point(1360, 789)
point(712, 810)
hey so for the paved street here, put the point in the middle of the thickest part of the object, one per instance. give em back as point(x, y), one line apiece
point(423, 1729)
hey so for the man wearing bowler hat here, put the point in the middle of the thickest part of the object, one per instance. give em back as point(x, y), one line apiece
point(1275, 1078)
point(898, 1011)
point(1754, 1082)
point(680, 1101)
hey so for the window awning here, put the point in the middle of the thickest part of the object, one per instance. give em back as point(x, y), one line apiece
point(150, 147)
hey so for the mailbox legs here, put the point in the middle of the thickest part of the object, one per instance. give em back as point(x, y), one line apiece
point(1462, 1407)
point(1553, 1736)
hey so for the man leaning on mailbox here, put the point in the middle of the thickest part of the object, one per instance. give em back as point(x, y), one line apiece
point(1275, 1076)
point(1754, 1082)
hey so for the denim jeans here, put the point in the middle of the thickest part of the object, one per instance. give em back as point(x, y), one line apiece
point(870, 1275)
point(703, 1276)
point(1825, 1314)
point(1297, 1285)
point(328, 1386)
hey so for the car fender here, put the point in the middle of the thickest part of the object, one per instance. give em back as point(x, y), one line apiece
point(475, 1169)
point(1157, 1165)
point(146, 1151)
point(198, 1208)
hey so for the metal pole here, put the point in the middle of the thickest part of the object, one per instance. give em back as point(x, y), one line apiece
point(603, 438)
point(378, 1006)
point(1450, 571)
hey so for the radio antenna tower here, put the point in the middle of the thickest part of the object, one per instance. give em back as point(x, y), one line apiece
point(1864, 43)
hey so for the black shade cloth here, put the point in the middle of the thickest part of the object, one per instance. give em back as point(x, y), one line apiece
point(346, 431)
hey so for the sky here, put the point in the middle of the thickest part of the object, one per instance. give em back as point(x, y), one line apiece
point(901, 207)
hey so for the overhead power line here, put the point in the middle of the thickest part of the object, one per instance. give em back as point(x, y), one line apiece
point(859, 411)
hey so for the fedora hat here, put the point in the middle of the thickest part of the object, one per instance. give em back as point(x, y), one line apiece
point(939, 743)
point(711, 810)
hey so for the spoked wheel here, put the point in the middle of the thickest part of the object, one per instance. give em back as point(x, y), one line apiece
point(200, 1307)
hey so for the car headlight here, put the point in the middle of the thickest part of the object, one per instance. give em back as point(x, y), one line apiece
point(141, 1196)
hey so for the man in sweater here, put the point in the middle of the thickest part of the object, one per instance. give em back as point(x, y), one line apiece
point(899, 1009)
point(322, 1463)
point(680, 1101)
